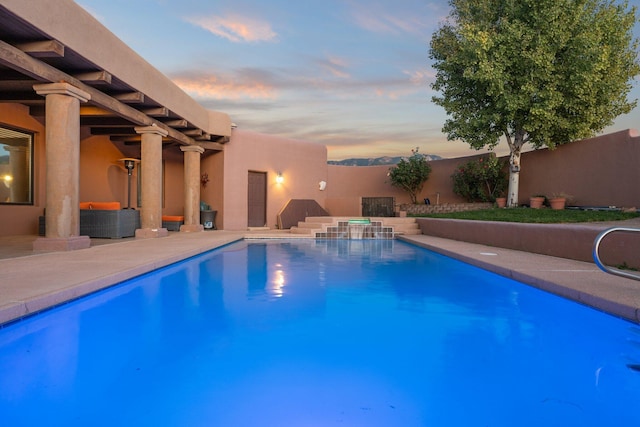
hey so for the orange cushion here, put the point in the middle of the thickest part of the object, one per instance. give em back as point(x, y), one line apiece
point(176, 218)
point(104, 206)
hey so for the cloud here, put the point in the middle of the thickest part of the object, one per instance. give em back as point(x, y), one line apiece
point(375, 19)
point(236, 28)
point(211, 86)
point(337, 67)
point(419, 19)
point(420, 77)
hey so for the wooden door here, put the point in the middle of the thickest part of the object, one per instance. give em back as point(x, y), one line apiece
point(257, 203)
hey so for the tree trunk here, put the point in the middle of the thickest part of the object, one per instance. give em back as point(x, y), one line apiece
point(515, 148)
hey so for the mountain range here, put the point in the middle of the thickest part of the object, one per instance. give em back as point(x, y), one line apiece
point(377, 161)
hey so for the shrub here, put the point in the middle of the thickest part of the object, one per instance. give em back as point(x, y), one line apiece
point(411, 174)
point(481, 180)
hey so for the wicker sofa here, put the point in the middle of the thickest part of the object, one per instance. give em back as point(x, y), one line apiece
point(105, 220)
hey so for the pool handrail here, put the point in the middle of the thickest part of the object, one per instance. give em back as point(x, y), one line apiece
point(596, 254)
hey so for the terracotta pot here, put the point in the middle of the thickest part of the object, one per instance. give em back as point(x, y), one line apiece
point(536, 202)
point(501, 202)
point(558, 203)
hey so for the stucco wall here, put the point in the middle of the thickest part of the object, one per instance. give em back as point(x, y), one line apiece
point(302, 164)
point(102, 177)
point(348, 184)
point(601, 171)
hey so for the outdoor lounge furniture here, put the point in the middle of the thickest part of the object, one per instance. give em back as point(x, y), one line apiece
point(104, 220)
point(109, 224)
point(172, 222)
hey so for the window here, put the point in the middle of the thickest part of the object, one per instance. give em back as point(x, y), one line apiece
point(16, 167)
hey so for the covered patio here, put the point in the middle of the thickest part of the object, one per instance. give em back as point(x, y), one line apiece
point(79, 81)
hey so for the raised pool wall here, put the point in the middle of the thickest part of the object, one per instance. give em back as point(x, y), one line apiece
point(574, 241)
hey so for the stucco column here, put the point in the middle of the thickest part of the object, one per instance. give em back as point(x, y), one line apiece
point(191, 188)
point(62, 150)
point(151, 179)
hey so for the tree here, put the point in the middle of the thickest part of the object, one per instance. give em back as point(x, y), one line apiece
point(411, 174)
point(480, 180)
point(543, 72)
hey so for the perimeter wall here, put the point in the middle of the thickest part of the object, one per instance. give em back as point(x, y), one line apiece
point(601, 171)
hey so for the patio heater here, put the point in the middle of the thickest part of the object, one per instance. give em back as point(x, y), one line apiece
point(129, 164)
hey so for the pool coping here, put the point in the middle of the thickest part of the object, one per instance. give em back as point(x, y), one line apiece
point(36, 282)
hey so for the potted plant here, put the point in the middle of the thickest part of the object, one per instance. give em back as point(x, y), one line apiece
point(501, 202)
point(536, 201)
point(558, 201)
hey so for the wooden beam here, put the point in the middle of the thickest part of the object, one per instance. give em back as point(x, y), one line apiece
point(180, 123)
point(43, 49)
point(108, 130)
point(211, 146)
point(16, 59)
point(104, 121)
point(92, 110)
point(130, 97)
point(203, 137)
point(19, 97)
point(94, 77)
point(25, 85)
point(222, 139)
point(157, 112)
point(193, 132)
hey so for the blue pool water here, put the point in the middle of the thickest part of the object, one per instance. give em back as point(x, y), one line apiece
point(305, 333)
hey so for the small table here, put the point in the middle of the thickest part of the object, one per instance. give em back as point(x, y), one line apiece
point(208, 219)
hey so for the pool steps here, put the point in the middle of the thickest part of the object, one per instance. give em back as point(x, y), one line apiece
point(322, 224)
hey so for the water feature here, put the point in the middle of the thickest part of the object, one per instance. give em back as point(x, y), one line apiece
point(357, 229)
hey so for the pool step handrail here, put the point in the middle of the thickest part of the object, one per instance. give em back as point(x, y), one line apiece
point(598, 261)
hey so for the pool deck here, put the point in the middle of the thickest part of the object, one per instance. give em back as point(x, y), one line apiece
point(31, 282)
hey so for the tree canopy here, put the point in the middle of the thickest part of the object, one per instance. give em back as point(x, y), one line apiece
point(543, 72)
point(410, 174)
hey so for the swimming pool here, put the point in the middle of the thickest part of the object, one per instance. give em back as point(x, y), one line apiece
point(327, 333)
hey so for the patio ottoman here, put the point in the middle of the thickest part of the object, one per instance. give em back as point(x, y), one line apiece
point(172, 222)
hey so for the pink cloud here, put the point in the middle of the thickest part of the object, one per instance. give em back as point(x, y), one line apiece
point(236, 28)
point(211, 87)
point(336, 66)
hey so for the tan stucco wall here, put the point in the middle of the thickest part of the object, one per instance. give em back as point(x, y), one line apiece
point(602, 171)
point(212, 193)
point(348, 184)
point(102, 177)
point(302, 164)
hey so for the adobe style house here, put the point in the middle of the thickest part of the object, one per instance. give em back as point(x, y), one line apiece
point(76, 101)
point(77, 105)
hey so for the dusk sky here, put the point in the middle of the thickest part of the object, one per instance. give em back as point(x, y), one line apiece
point(351, 74)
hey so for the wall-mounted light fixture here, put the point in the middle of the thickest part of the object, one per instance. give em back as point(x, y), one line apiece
point(279, 178)
point(129, 164)
point(7, 179)
point(322, 185)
